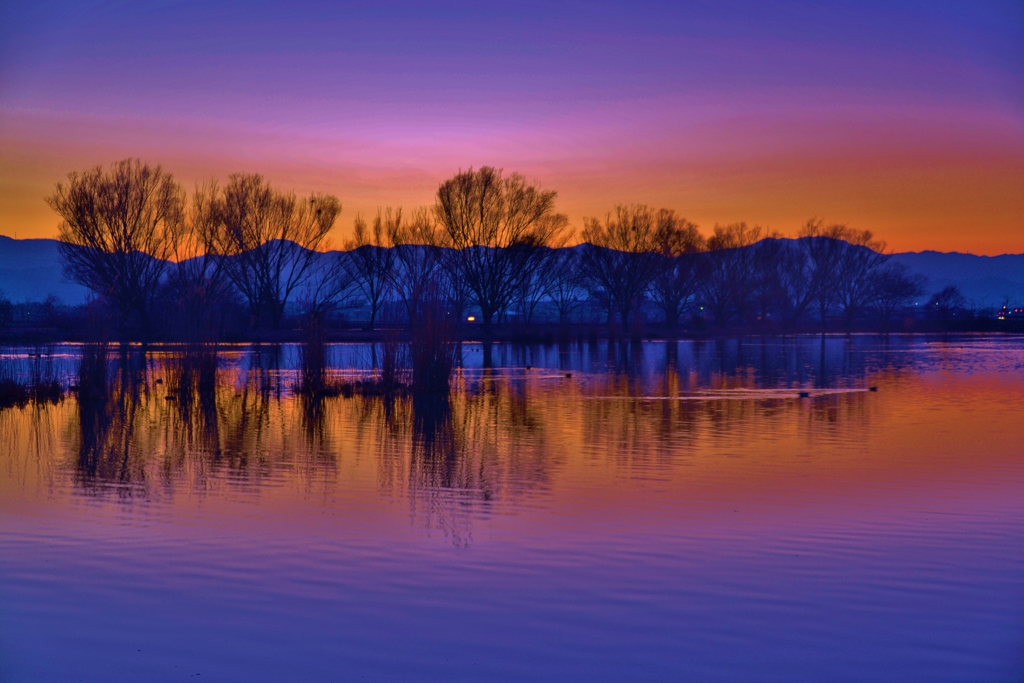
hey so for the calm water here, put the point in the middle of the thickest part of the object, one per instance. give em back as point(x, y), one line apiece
point(667, 512)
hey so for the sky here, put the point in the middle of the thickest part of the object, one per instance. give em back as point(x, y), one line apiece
point(903, 118)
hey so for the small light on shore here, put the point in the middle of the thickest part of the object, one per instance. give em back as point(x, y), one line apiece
point(471, 318)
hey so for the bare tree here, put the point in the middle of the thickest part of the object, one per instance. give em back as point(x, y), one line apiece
point(727, 283)
point(270, 241)
point(371, 259)
point(678, 274)
point(824, 246)
point(197, 278)
point(493, 226)
point(417, 270)
point(562, 271)
point(621, 257)
point(537, 284)
point(533, 287)
point(776, 269)
point(893, 287)
point(327, 285)
point(945, 303)
point(859, 257)
point(119, 228)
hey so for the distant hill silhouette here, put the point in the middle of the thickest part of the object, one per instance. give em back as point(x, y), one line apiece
point(985, 281)
point(30, 270)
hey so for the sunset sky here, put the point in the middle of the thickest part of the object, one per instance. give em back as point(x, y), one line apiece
point(905, 118)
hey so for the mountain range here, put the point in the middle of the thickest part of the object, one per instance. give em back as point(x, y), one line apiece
point(30, 270)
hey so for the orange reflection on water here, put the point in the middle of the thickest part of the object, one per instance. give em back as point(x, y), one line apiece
point(596, 447)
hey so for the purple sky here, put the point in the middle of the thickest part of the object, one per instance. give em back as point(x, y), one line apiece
point(904, 118)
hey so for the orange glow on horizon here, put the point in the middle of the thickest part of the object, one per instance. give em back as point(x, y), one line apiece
point(910, 191)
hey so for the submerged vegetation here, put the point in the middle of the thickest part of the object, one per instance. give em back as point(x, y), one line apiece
point(40, 384)
point(422, 366)
point(433, 351)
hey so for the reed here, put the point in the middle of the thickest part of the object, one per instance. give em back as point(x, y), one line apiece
point(433, 349)
point(393, 378)
point(314, 381)
point(393, 365)
point(41, 386)
point(313, 362)
point(12, 392)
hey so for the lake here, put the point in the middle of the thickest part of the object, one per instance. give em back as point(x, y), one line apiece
point(661, 511)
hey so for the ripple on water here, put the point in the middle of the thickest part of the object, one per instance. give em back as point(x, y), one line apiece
point(670, 511)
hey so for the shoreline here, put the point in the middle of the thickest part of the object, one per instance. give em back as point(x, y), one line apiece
point(547, 336)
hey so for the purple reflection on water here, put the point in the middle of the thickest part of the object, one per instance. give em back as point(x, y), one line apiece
point(639, 523)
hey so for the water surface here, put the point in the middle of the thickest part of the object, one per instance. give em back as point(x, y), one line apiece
point(664, 511)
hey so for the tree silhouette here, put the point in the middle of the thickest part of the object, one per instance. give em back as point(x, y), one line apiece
point(327, 284)
point(945, 303)
point(621, 258)
point(678, 273)
point(565, 281)
point(540, 282)
point(859, 257)
point(493, 226)
point(824, 246)
point(778, 270)
point(132, 235)
point(119, 228)
point(893, 287)
point(417, 271)
point(371, 259)
point(728, 280)
point(269, 240)
point(197, 277)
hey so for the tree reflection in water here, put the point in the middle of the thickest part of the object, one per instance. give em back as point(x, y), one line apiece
point(148, 424)
point(453, 456)
point(441, 486)
point(108, 455)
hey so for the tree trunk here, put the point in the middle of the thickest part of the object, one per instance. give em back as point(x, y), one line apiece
point(276, 313)
point(373, 317)
point(672, 317)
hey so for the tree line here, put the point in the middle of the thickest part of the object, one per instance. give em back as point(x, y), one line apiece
point(492, 243)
